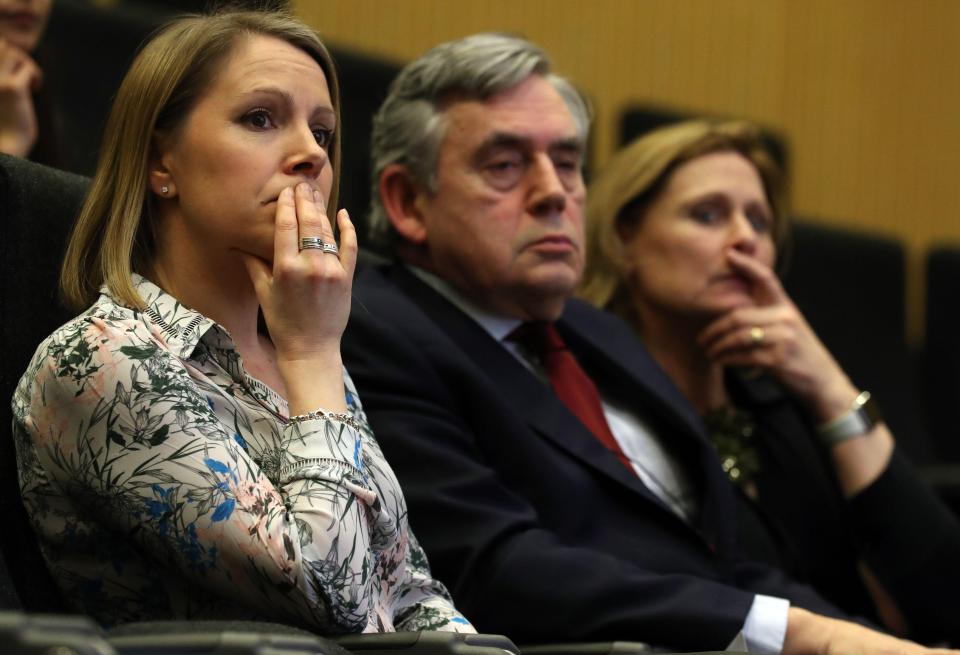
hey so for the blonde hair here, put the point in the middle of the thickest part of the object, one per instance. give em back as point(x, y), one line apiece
point(634, 179)
point(115, 233)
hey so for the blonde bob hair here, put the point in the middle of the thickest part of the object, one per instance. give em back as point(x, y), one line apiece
point(115, 233)
point(638, 174)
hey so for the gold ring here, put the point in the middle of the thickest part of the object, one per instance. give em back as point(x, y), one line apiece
point(757, 335)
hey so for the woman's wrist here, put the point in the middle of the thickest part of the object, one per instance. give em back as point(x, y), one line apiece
point(832, 400)
point(314, 383)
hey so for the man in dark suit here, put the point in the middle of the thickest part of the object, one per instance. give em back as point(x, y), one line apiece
point(564, 492)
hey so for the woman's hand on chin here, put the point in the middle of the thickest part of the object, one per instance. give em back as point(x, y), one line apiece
point(773, 335)
point(305, 297)
point(19, 78)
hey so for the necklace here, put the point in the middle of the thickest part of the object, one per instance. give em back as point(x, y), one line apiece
point(732, 433)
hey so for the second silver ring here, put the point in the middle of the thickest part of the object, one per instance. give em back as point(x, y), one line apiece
point(312, 243)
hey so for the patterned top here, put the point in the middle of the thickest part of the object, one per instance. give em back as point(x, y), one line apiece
point(165, 482)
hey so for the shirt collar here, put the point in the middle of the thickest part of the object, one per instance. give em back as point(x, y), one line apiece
point(495, 325)
point(181, 326)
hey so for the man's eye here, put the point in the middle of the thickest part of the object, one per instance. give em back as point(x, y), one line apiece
point(324, 136)
point(504, 172)
point(259, 118)
point(567, 165)
point(504, 166)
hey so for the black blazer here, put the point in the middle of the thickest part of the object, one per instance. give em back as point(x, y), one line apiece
point(539, 531)
point(896, 526)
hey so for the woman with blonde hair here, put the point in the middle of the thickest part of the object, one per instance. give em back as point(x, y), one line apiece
point(191, 446)
point(684, 228)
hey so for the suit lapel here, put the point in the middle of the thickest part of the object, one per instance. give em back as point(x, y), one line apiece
point(528, 395)
point(612, 356)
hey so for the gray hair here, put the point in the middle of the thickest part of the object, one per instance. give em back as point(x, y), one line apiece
point(409, 127)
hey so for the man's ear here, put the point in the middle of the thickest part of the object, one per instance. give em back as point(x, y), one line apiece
point(158, 172)
point(400, 196)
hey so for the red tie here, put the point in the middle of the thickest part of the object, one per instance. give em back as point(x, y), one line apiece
point(570, 382)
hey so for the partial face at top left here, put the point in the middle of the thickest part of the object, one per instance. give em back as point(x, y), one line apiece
point(22, 21)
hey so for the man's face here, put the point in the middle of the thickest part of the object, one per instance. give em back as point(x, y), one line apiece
point(505, 225)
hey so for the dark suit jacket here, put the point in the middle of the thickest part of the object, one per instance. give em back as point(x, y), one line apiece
point(539, 531)
point(896, 525)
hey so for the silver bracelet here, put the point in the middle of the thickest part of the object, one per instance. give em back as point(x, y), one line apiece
point(341, 417)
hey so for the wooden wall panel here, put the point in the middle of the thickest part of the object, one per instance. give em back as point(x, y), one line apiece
point(867, 91)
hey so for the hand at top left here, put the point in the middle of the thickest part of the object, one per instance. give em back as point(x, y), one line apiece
point(19, 78)
point(773, 335)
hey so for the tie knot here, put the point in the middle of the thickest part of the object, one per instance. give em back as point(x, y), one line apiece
point(538, 337)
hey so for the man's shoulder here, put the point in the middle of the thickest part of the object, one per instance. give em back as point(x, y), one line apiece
point(375, 278)
point(581, 313)
point(393, 310)
point(586, 324)
point(385, 293)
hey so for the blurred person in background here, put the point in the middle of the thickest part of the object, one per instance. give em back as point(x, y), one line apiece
point(684, 230)
point(24, 115)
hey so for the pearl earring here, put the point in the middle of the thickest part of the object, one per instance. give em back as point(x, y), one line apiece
point(164, 190)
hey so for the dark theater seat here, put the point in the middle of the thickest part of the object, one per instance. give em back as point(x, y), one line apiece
point(942, 354)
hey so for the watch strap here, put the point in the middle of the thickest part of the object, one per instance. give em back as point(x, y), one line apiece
point(863, 415)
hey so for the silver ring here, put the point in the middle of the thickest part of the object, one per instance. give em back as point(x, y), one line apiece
point(308, 243)
point(331, 248)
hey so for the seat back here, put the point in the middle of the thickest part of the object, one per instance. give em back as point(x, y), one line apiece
point(942, 352)
point(363, 86)
point(638, 119)
point(38, 206)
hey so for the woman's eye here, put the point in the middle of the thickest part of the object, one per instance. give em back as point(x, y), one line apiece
point(324, 136)
point(706, 214)
point(760, 221)
point(259, 119)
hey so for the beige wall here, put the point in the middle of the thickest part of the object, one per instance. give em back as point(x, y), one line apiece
point(867, 91)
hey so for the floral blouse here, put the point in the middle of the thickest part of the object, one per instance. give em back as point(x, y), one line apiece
point(165, 482)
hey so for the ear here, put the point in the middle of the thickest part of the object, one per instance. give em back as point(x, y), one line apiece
point(158, 173)
point(401, 198)
point(625, 229)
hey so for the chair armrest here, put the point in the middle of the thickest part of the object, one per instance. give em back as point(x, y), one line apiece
point(41, 634)
point(604, 648)
point(427, 643)
point(217, 638)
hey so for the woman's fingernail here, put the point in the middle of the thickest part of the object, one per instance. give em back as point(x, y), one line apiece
point(303, 187)
point(287, 193)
